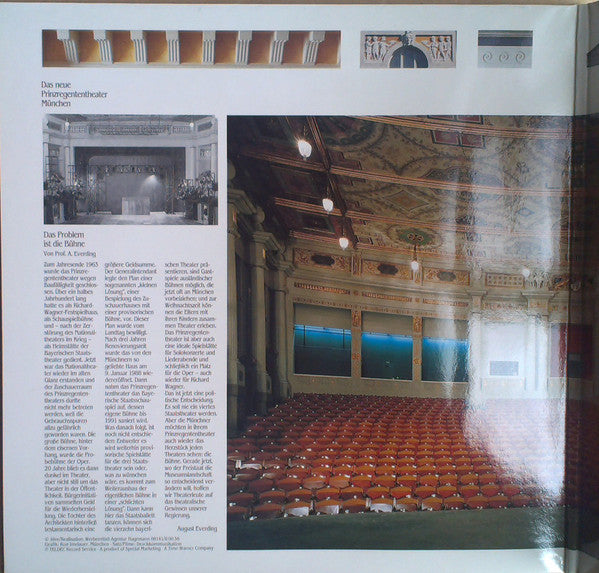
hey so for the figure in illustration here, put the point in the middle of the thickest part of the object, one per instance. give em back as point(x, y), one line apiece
point(433, 45)
point(368, 48)
point(383, 47)
point(445, 48)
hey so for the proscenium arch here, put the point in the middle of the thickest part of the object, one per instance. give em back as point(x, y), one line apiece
point(408, 57)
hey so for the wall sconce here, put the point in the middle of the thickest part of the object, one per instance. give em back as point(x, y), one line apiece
point(415, 239)
point(415, 265)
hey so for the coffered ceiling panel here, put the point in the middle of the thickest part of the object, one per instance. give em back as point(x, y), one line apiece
point(465, 187)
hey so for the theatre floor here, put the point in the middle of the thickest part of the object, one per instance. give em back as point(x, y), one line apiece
point(154, 218)
point(511, 528)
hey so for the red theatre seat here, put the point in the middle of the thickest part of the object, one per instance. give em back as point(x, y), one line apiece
point(381, 505)
point(469, 478)
point(299, 494)
point(429, 479)
point(268, 510)
point(377, 491)
point(406, 504)
point(498, 501)
point(469, 490)
point(328, 507)
point(297, 508)
point(454, 502)
point(490, 489)
point(362, 481)
point(289, 483)
point(520, 500)
point(243, 498)
point(387, 481)
point(510, 489)
point(384, 469)
point(328, 493)
point(477, 502)
point(343, 470)
point(423, 491)
point(401, 491)
point(355, 505)
point(339, 481)
point(237, 513)
point(431, 504)
point(445, 491)
point(248, 474)
point(235, 485)
point(273, 474)
point(351, 492)
point(448, 479)
point(485, 478)
point(274, 495)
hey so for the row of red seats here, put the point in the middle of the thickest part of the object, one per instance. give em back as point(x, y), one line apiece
point(299, 508)
point(286, 492)
point(353, 450)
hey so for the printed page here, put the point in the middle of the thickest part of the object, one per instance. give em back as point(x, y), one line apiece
point(223, 227)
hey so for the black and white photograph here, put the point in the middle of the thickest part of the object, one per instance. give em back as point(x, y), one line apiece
point(130, 170)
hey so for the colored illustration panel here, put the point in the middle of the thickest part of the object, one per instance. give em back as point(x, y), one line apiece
point(505, 49)
point(408, 49)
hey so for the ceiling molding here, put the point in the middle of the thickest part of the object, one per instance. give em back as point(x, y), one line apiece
point(317, 210)
point(400, 179)
point(419, 122)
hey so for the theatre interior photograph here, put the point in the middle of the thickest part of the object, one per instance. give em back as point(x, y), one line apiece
point(406, 343)
point(130, 170)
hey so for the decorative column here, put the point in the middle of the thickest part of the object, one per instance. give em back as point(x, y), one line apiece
point(356, 344)
point(233, 382)
point(68, 162)
point(190, 163)
point(417, 349)
point(69, 41)
point(172, 40)
point(258, 342)
point(238, 204)
point(284, 269)
point(46, 159)
point(543, 342)
point(242, 51)
point(104, 39)
point(530, 352)
point(277, 48)
point(141, 49)
point(214, 158)
point(311, 47)
point(537, 341)
point(475, 341)
point(203, 155)
point(208, 42)
point(290, 337)
point(260, 243)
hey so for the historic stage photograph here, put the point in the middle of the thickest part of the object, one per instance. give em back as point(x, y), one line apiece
point(130, 170)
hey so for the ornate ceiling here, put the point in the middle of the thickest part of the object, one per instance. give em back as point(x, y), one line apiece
point(471, 191)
